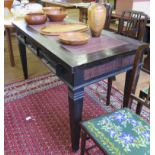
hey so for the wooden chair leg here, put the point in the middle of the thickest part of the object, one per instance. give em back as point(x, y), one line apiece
point(109, 90)
point(83, 142)
point(147, 61)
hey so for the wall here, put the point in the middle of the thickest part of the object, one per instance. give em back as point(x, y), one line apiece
point(138, 5)
point(142, 5)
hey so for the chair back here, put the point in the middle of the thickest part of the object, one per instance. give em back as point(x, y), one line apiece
point(133, 24)
point(141, 102)
point(134, 76)
point(108, 15)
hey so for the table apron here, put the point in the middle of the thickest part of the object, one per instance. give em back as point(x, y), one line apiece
point(80, 76)
point(115, 64)
point(89, 75)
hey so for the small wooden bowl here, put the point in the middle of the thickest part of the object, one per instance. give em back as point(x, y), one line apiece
point(35, 18)
point(56, 15)
point(74, 38)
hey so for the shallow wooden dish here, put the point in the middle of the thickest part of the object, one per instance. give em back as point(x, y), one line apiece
point(59, 28)
point(74, 38)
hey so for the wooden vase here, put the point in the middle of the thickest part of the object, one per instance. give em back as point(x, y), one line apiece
point(8, 4)
point(96, 18)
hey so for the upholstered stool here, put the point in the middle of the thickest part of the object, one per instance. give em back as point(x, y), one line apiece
point(119, 133)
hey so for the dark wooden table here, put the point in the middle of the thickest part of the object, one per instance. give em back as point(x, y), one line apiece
point(78, 70)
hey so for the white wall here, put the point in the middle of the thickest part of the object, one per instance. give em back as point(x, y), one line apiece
point(143, 6)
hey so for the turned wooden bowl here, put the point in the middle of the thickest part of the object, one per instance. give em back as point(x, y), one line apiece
point(35, 18)
point(8, 4)
point(56, 15)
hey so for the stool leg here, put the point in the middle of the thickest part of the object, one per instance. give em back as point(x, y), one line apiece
point(83, 142)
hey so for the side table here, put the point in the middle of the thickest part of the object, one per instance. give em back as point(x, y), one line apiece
point(8, 27)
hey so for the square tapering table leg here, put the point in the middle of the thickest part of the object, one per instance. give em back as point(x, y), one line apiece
point(22, 50)
point(10, 49)
point(75, 98)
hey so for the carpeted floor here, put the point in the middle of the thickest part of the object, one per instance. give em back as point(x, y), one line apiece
point(36, 117)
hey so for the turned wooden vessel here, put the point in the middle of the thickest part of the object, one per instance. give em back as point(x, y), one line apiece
point(96, 18)
point(8, 4)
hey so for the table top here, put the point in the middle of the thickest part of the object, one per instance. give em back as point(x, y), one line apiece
point(59, 3)
point(8, 21)
point(68, 4)
point(82, 5)
point(75, 60)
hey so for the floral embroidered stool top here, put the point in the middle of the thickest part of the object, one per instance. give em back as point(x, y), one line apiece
point(120, 133)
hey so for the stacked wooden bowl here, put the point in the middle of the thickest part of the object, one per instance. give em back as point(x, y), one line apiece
point(55, 14)
point(35, 18)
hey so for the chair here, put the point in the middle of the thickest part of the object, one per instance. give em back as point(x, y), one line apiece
point(108, 15)
point(144, 94)
point(131, 24)
point(120, 132)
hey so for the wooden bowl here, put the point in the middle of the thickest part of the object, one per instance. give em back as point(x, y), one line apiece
point(35, 18)
point(56, 15)
point(8, 4)
point(74, 38)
